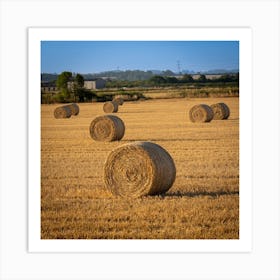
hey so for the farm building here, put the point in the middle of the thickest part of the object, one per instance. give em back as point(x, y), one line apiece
point(94, 84)
point(48, 87)
point(97, 83)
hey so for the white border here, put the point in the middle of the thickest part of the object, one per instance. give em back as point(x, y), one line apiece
point(263, 16)
point(243, 35)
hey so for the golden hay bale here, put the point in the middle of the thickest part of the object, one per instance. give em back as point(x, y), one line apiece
point(221, 111)
point(201, 113)
point(138, 169)
point(74, 109)
point(119, 100)
point(107, 128)
point(62, 112)
point(110, 107)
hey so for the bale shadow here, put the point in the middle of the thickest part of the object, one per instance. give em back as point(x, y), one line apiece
point(135, 112)
point(168, 140)
point(199, 193)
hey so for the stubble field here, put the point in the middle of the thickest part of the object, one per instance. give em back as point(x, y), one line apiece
point(203, 202)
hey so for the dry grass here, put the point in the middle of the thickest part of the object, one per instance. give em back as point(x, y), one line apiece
point(203, 202)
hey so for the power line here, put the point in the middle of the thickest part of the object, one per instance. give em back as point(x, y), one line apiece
point(179, 66)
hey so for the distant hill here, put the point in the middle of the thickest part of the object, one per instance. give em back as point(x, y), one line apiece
point(214, 71)
point(46, 77)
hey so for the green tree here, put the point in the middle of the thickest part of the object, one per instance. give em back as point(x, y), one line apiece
point(202, 78)
point(63, 79)
point(187, 78)
point(79, 80)
point(78, 87)
point(171, 80)
point(62, 84)
point(157, 80)
point(167, 73)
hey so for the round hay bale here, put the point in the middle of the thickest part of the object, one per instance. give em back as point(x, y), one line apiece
point(107, 128)
point(110, 107)
point(119, 100)
point(74, 109)
point(201, 113)
point(221, 111)
point(138, 169)
point(62, 112)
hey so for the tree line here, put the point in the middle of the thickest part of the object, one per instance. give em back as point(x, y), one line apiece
point(159, 80)
point(71, 85)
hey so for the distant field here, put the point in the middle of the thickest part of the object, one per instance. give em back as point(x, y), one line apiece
point(203, 203)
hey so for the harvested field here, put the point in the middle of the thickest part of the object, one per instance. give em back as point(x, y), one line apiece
point(203, 202)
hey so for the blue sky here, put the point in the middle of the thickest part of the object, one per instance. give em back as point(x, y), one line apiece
point(98, 56)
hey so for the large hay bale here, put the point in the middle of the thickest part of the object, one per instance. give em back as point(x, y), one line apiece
point(110, 107)
point(62, 112)
point(201, 113)
point(138, 169)
point(107, 128)
point(74, 109)
point(221, 111)
point(119, 100)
